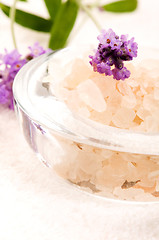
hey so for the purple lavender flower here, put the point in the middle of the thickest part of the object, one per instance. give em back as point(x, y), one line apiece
point(4, 94)
point(10, 64)
point(109, 39)
point(104, 68)
point(37, 50)
point(11, 58)
point(121, 74)
point(132, 48)
point(112, 51)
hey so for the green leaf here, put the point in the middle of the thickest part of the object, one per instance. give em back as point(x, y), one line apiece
point(52, 7)
point(29, 20)
point(121, 6)
point(63, 24)
point(23, 0)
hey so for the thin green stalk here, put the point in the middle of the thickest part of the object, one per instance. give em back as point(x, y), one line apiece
point(12, 17)
point(86, 9)
point(95, 4)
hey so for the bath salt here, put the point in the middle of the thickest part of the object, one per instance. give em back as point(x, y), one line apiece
point(109, 173)
point(105, 92)
point(131, 104)
point(105, 100)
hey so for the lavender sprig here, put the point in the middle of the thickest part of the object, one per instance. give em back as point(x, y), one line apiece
point(10, 64)
point(112, 52)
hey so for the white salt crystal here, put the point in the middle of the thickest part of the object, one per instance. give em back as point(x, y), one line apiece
point(144, 197)
point(114, 101)
point(82, 175)
point(142, 113)
point(156, 83)
point(102, 117)
point(123, 118)
point(88, 162)
point(129, 101)
point(73, 100)
point(106, 84)
point(129, 157)
point(156, 93)
point(139, 128)
point(149, 103)
point(153, 174)
point(141, 92)
point(106, 153)
point(129, 193)
point(83, 111)
point(157, 185)
point(151, 124)
point(148, 185)
point(60, 92)
point(145, 84)
point(131, 167)
point(124, 88)
point(105, 177)
point(91, 95)
point(80, 72)
point(154, 159)
point(105, 192)
point(132, 83)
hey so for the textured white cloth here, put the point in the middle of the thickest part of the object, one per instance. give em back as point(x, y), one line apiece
point(34, 203)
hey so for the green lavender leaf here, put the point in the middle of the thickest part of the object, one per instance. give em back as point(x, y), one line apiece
point(52, 7)
point(29, 20)
point(121, 6)
point(63, 24)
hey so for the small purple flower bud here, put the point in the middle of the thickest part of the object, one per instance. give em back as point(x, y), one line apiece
point(121, 74)
point(104, 68)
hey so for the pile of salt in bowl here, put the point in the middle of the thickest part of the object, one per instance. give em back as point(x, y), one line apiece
point(132, 104)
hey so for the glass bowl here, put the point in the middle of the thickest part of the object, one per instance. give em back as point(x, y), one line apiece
point(79, 149)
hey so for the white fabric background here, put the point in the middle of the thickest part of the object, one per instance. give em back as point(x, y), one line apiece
point(34, 203)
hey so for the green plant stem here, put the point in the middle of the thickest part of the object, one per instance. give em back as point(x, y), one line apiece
point(12, 17)
point(95, 4)
point(86, 9)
